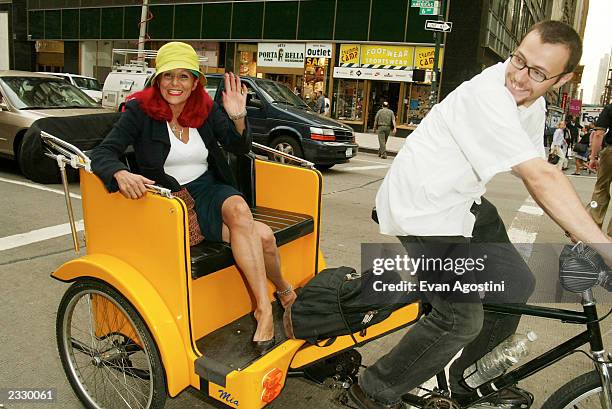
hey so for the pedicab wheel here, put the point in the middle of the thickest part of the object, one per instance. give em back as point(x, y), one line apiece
point(583, 392)
point(108, 354)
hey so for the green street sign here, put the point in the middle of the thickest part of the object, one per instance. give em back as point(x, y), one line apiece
point(422, 3)
point(428, 11)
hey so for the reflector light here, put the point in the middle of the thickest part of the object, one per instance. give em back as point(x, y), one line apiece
point(272, 385)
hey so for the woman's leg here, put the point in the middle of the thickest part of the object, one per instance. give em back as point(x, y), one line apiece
point(273, 265)
point(239, 229)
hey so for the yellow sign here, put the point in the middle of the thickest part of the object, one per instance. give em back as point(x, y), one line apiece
point(349, 53)
point(425, 57)
point(400, 56)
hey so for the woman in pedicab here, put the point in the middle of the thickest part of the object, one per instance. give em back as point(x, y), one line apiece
point(175, 129)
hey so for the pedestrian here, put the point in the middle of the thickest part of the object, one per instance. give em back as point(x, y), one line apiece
point(178, 133)
point(320, 103)
point(559, 145)
point(601, 160)
point(432, 197)
point(574, 127)
point(581, 150)
point(384, 124)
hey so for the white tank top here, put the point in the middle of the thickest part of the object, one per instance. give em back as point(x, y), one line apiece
point(186, 161)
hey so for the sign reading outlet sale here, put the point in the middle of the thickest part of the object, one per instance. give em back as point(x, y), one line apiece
point(319, 50)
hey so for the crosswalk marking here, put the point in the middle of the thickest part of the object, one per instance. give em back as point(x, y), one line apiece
point(350, 168)
point(39, 187)
point(46, 233)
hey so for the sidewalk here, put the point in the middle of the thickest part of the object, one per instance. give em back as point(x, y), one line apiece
point(368, 142)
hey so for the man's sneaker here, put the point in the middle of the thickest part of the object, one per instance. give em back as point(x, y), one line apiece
point(513, 395)
point(358, 397)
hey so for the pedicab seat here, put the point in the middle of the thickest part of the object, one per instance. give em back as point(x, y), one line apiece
point(208, 257)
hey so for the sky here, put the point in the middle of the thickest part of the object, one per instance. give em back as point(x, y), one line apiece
point(597, 42)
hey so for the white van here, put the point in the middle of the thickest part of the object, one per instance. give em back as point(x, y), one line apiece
point(88, 85)
point(122, 81)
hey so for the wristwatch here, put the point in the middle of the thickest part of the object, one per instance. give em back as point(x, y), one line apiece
point(238, 116)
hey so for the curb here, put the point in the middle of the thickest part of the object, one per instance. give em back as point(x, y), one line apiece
point(375, 151)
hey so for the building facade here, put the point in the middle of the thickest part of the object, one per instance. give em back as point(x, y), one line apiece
point(489, 30)
point(357, 52)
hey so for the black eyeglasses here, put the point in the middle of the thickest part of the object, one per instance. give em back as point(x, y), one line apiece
point(534, 73)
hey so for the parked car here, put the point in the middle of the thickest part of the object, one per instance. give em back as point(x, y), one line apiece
point(122, 81)
point(27, 98)
point(88, 85)
point(283, 121)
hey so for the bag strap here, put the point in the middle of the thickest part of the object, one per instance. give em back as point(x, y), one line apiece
point(346, 324)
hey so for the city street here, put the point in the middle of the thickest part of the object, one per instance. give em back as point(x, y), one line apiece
point(34, 240)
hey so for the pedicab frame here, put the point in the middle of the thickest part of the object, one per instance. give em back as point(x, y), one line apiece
point(140, 250)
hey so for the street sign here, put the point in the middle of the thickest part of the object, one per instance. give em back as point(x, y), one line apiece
point(434, 25)
point(422, 3)
point(428, 11)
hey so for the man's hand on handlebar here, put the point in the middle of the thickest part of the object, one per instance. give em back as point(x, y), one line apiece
point(132, 185)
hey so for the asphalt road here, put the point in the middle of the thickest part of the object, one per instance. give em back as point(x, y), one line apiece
point(28, 355)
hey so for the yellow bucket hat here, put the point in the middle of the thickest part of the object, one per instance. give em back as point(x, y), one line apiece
point(175, 55)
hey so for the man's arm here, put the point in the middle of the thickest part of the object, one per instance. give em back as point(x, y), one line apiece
point(555, 194)
point(596, 142)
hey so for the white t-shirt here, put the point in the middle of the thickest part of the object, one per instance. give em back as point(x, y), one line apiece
point(186, 161)
point(476, 132)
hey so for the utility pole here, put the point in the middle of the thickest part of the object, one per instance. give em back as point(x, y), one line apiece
point(143, 29)
point(433, 97)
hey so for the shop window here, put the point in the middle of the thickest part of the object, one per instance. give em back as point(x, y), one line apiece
point(316, 20)
point(315, 77)
point(285, 11)
point(216, 20)
point(248, 63)
point(349, 96)
point(187, 21)
point(417, 103)
point(113, 22)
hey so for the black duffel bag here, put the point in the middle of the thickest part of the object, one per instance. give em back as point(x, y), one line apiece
point(340, 301)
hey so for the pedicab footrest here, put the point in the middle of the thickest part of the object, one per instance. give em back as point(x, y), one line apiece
point(208, 257)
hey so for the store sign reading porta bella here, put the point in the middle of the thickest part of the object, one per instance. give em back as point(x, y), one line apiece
point(387, 55)
point(424, 57)
point(289, 55)
point(349, 53)
point(319, 50)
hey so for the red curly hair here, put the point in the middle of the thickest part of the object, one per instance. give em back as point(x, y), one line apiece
point(194, 114)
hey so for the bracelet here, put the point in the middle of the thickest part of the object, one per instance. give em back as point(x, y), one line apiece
point(238, 116)
point(285, 292)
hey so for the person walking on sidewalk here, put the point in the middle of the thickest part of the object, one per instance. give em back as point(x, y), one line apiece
point(490, 124)
point(559, 146)
point(602, 162)
point(384, 123)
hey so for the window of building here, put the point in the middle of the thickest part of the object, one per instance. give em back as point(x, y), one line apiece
point(349, 96)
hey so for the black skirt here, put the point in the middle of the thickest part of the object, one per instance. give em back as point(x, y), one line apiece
point(209, 194)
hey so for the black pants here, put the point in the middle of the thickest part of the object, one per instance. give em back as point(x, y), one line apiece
point(453, 323)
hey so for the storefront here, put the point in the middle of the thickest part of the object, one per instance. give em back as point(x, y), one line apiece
point(368, 75)
point(49, 56)
point(303, 67)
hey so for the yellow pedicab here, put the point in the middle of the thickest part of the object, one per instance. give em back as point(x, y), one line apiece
point(148, 316)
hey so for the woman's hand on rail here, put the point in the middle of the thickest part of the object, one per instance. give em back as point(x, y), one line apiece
point(132, 185)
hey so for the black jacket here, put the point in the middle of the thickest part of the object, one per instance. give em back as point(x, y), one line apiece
point(151, 143)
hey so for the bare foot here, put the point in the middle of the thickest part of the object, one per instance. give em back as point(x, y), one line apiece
point(287, 300)
point(265, 324)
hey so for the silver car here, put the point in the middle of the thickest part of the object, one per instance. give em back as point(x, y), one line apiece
point(26, 97)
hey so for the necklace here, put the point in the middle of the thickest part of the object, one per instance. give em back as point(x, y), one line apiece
point(177, 132)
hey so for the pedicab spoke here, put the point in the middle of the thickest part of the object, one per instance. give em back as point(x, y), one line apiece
point(127, 390)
